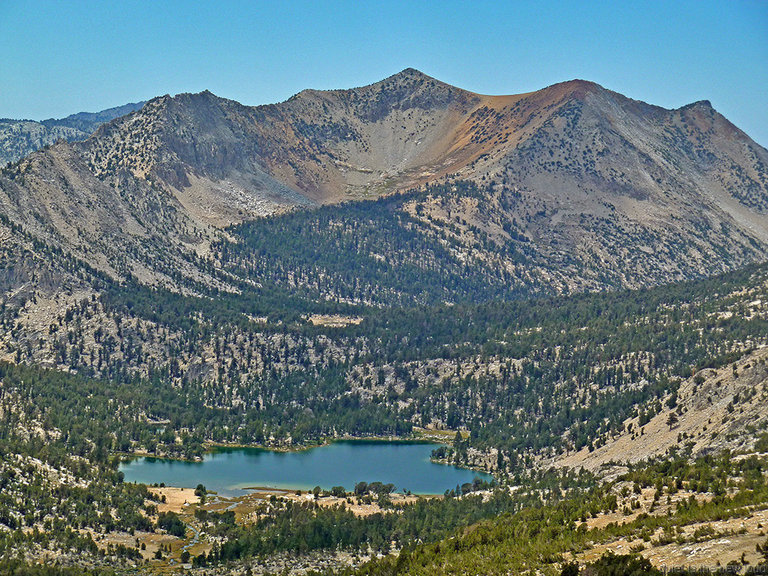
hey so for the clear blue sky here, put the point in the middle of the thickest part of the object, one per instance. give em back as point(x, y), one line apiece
point(60, 57)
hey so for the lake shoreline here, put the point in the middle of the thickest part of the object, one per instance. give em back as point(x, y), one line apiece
point(233, 469)
point(421, 435)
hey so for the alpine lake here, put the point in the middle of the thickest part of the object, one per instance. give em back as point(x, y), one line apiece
point(232, 471)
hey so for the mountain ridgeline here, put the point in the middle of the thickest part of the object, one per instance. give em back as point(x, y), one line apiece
point(566, 189)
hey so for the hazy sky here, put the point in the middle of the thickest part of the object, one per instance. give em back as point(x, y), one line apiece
point(61, 57)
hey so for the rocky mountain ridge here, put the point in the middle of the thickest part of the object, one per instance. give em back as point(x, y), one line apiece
point(578, 188)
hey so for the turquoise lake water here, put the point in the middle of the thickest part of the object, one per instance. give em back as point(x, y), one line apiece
point(230, 470)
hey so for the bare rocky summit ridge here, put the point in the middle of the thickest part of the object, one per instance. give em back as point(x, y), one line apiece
point(595, 181)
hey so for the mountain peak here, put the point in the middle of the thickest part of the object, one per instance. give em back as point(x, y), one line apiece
point(410, 74)
point(704, 104)
point(411, 80)
point(409, 77)
point(577, 88)
point(205, 95)
point(407, 89)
